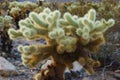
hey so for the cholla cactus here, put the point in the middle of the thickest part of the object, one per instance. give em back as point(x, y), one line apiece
point(5, 24)
point(68, 39)
point(23, 5)
point(17, 8)
point(20, 10)
point(5, 21)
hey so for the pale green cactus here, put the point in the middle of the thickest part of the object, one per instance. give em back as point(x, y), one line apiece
point(5, 24)
point(65, 37)
point(5, 21)
point(15, 10)
point(20, 10)
point(22, 4)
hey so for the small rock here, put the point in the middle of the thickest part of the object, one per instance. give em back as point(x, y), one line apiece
point(117, 71)
point(86, 78)
point(6, 68)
